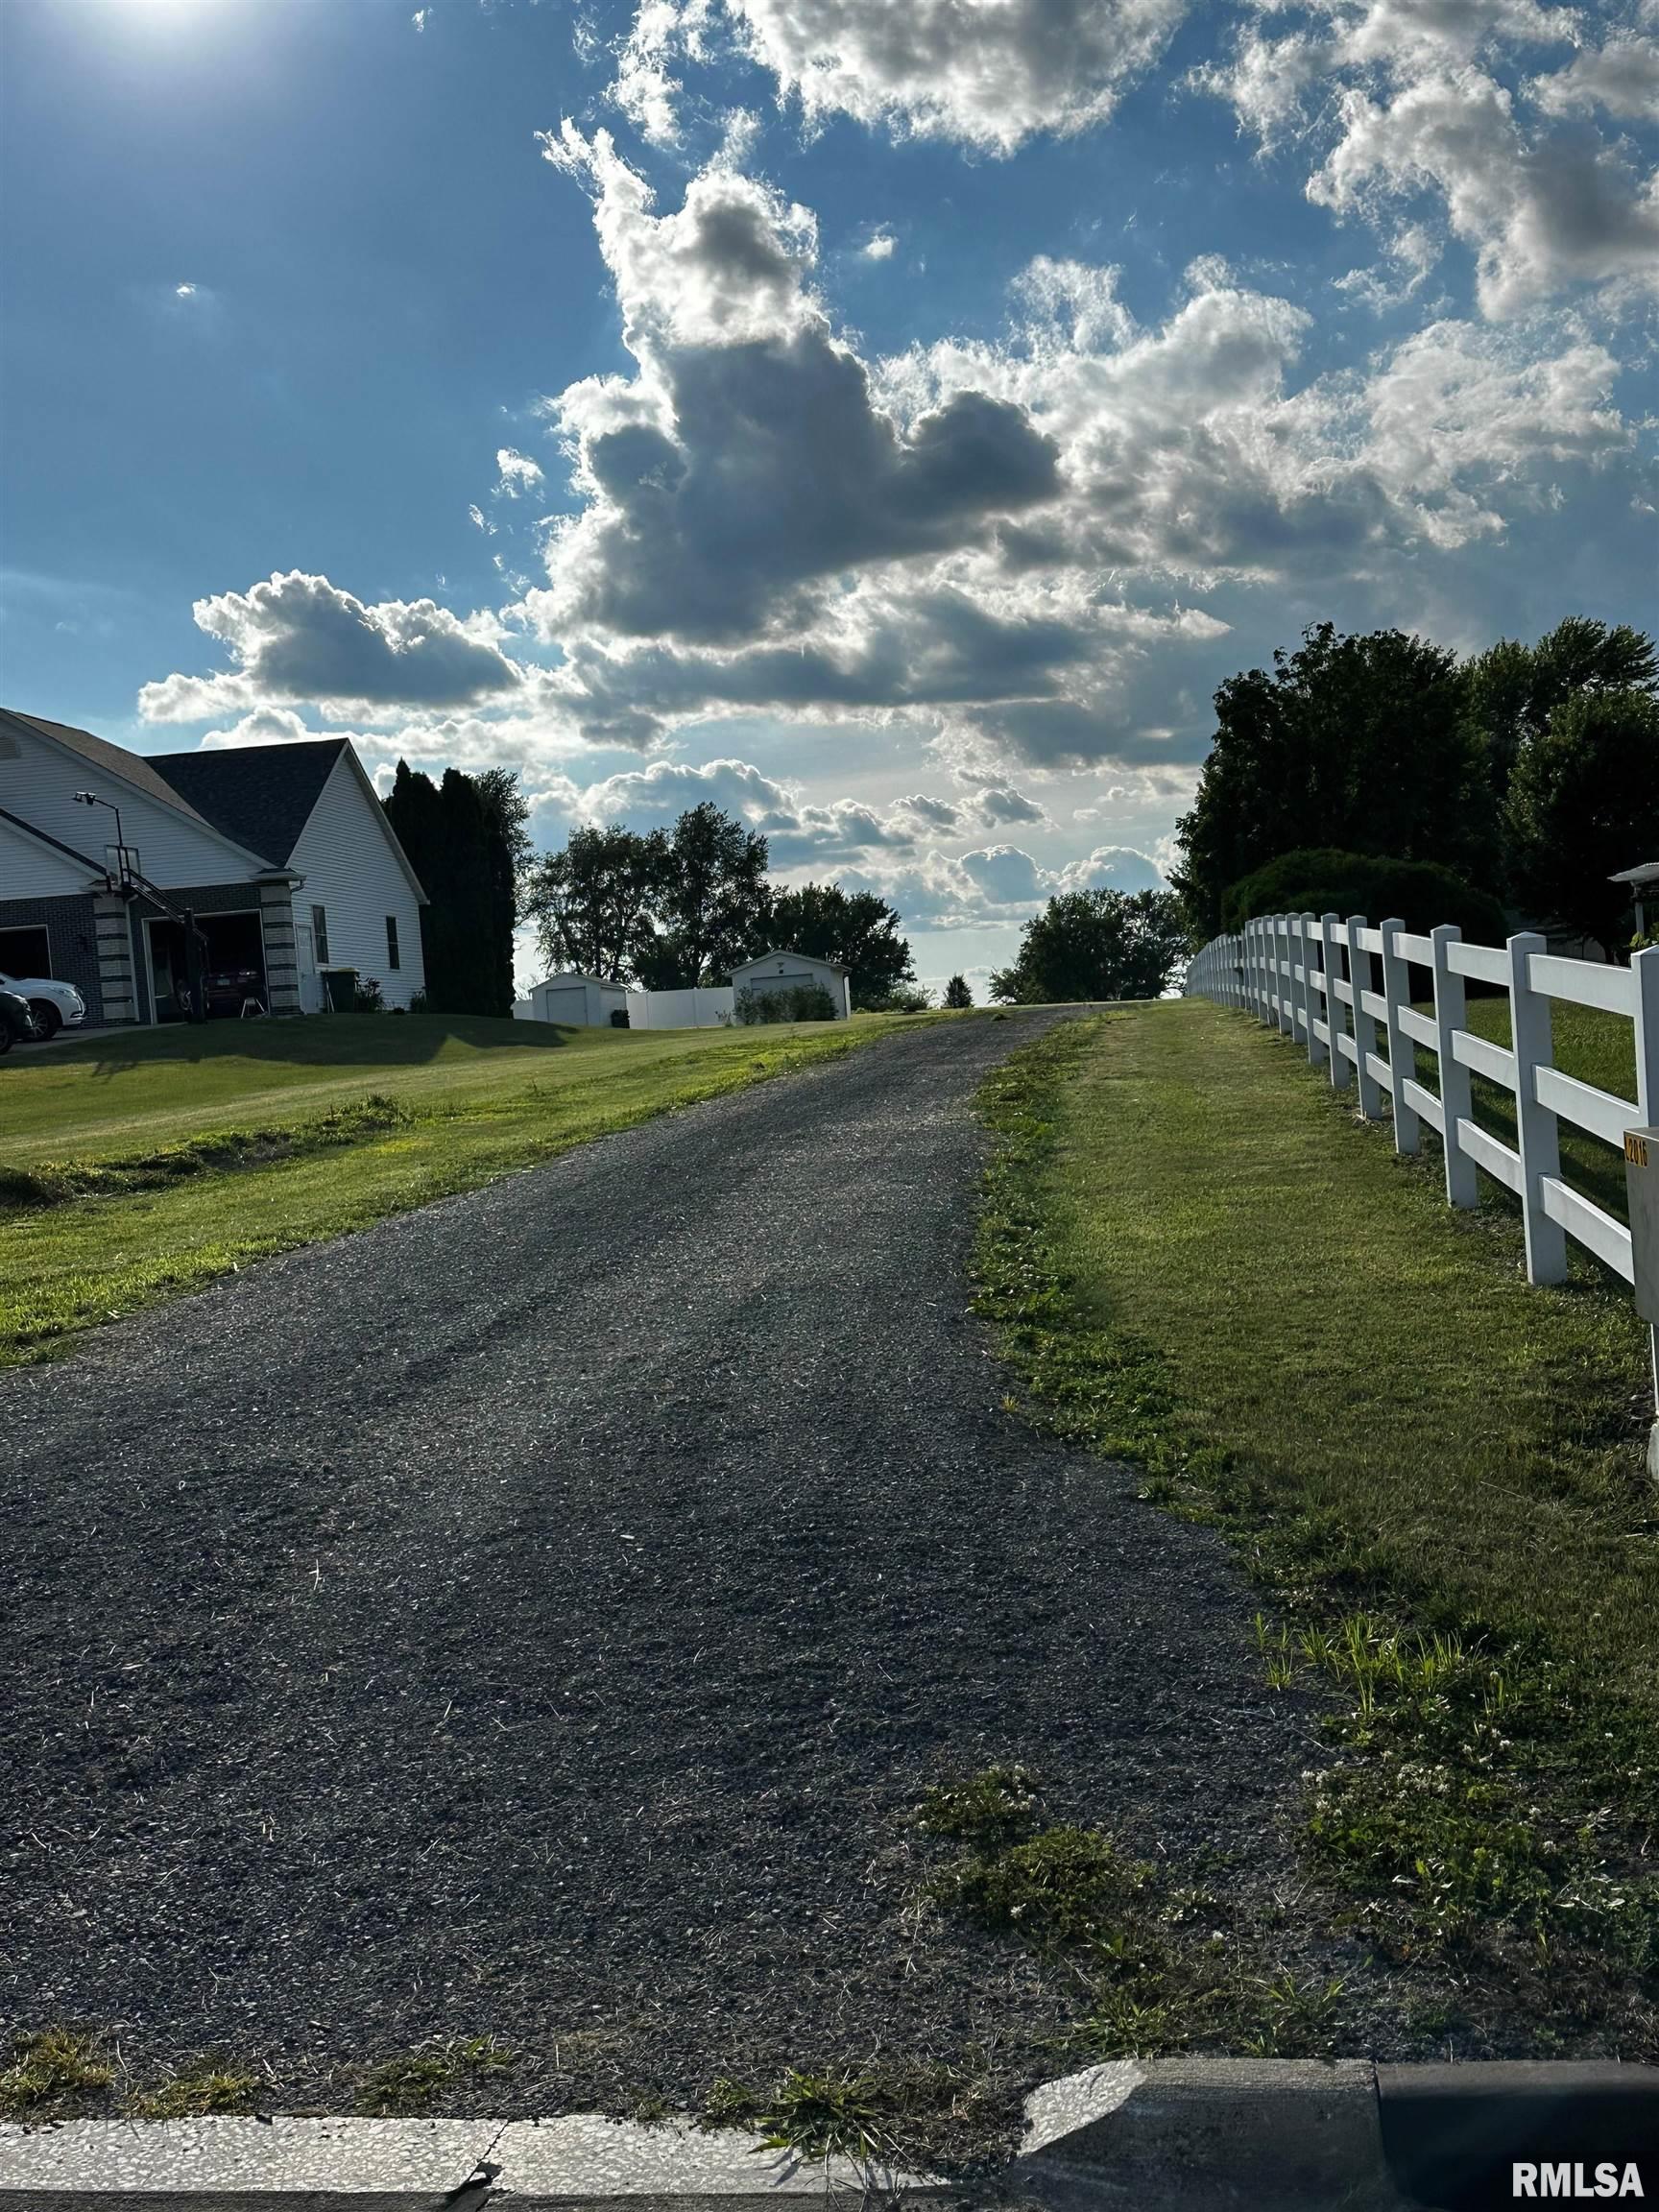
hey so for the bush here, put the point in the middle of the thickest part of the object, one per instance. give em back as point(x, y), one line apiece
point(620, 1018)
point(905, 998)
point(957, 994)
point(418, 1002)
point(806, 1002)
point(1322, 880)
point(370, 999)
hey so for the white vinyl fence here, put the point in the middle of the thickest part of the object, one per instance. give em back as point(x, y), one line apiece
point(1314, 977)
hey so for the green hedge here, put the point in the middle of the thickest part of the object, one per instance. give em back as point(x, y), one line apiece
point(1321, 881)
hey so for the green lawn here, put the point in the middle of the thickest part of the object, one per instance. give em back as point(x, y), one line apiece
point(1324, 1315)
point(1205, 1263)
point(132, 1171)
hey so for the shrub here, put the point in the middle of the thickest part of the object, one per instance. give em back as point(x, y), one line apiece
point(418, 1002)
point(620, 1018)
point(806, 1002)
point(906, 999)
point(1321, 879)
point(957, 994)
point(370, 999)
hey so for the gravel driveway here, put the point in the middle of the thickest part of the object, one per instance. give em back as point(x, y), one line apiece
point(538, 1617)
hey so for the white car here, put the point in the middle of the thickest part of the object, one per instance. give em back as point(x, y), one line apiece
point(54, 1005)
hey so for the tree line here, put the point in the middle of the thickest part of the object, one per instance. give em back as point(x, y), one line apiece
point(1383, 771)
point(667, 909)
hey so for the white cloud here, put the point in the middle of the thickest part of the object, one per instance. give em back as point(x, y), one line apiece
point(985, 73)
point(880, 247)
point(1413, 97)
point(1622, 76)
point(1000, 542)
point(299, 638)
point(1542, 213)
point(517, 474)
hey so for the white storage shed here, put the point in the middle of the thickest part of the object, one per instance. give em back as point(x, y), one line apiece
point(794, 971)
point(579, 1001)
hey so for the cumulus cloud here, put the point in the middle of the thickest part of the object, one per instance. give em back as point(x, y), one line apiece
point(1444, 98)
point(1542, 213)
point(299, 638)
point(995, 886)
point(1000, 542)
point(983, 73)
point(1620, 77)
point(799, 832)
point(747, 461)
point(880, 246)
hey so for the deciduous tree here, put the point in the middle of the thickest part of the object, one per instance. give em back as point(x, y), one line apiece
point(1095, 945)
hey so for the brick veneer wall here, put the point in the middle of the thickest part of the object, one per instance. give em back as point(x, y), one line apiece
point(71, 924)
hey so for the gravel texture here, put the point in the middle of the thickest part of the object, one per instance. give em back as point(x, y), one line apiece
point(538, 1616)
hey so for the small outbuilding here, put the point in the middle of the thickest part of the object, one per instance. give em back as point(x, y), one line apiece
point(775, 972)
point(579, 1001)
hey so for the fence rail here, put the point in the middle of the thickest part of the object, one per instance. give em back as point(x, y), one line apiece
point(1314, 979)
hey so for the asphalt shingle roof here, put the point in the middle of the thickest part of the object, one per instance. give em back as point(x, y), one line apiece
point(260, 795)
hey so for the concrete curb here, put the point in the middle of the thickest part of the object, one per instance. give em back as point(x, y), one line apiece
point(1160, 2135)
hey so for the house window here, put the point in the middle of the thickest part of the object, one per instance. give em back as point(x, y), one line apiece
point(392, 960)
point(320, 934)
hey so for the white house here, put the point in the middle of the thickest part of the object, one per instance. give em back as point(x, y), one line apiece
point(282, 852)
point(794, 971)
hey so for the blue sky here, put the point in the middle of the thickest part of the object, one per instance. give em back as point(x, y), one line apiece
point(890, 422)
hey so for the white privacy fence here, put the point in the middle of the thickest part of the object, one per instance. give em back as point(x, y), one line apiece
point(1314, 977)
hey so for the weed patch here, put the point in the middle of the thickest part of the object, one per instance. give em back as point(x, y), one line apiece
point(211, 2083)
point(1158, 1975)
point(409, 2083)
point(52, 2072)
point(880, 2119)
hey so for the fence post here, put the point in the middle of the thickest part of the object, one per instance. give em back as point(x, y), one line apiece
point(1284, 945)
point(1644, 973)
point(1364, 1023)
point(1340, 1071)
point(1402, 1053)
point(1537, 1133)
point(1455, 1104)
point(1309, 996)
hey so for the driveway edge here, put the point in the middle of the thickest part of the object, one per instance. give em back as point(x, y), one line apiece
point(1162, 2136)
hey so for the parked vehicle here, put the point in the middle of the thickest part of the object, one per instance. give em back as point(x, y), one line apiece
point(52, 1004)
point(227, 989)
point(16, 1023)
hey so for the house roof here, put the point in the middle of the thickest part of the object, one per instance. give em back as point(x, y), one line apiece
point(1647, 873)
point(789, 952)
point(261, 795)
point(114, 760)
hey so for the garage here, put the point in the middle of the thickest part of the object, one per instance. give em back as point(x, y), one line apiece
point(233, 964)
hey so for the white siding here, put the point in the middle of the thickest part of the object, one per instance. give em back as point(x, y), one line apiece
point(31, 869)
point(353, 873)
point(41, 785)
point(789, 972)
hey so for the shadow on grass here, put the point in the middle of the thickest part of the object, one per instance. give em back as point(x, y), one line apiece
point(325, 1041)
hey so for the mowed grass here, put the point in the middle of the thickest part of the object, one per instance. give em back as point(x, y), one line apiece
point(1378, 1362)
point(218, 1145)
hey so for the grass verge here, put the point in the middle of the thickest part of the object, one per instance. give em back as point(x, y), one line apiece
point(1201, 1264)
point(96, 1233)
